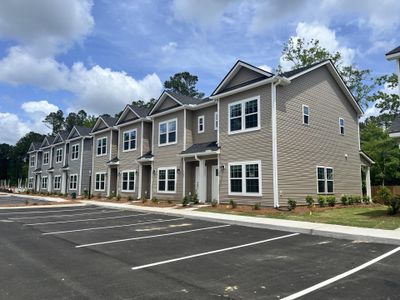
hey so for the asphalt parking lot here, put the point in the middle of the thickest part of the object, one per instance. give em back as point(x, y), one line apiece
point(13, 200)
point(98, 253)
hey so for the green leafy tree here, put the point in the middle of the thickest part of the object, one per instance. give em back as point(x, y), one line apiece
point(183, 83)
point(5, 155)
point(75, 119)
point(384, 150)
point(55, 121)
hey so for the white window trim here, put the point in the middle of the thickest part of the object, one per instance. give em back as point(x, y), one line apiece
point(59, 188)
point(340, 126)
point(123, 140)
point(216, 120)
point(62, 153)
point(198, 124)
point(48, 158)
point(95, 175)
point(326, 180)
point(166, 180)
point(242, 102)
point(33, 161)
point(134, 181)
point(29, 183)
point(243, 164)
point(176, 132)
point(304, 114)
point(76, 182)
point(97, 146)
point(72, 152)
point(47, 182)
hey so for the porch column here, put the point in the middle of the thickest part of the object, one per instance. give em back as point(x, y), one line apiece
point(368, 182)
point(49, 183)
point(139, 180)
point(202, 181)
point(108, 181)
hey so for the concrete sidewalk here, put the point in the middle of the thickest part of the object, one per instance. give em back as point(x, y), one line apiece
point(328, 230)
point(39, 197)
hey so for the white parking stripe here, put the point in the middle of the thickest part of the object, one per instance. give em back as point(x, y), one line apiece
point(150, 236)
point(48, 211)
point(213, 252)
point(114, 226)
point(84, 220)
point(340, 276)
point(69, 215)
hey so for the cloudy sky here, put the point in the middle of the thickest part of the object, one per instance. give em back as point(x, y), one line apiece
point(99, 55)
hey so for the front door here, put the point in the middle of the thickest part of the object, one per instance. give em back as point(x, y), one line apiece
point(214, 183)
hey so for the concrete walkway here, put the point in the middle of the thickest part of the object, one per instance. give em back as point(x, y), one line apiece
point(328, 230)
point(39, 197)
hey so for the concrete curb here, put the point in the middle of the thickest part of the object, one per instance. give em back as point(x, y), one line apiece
point(360, 234)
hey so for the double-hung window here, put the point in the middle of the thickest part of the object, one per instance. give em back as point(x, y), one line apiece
point(306, 115)
point(100, 182)
point(75, 152)
point(101, 146)
point(325, 180)
point(216, 120)
point(128, 181)
point(245, 178)
point(73, 182)
point(244, 115)
point(32, 161)
point(46, 158)
point(341, 126)
point(129, 140)
point(59, 155)
point(44, 182)
point(167, 132)
point(30, 183)
point(200, 124)
point(166, 180)
point(57, 182)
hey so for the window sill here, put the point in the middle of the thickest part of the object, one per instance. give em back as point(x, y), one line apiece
point(99, 155)
point(243, 131)
point(166, 192)
point(130, 150)
point(168, 144)
point(245, 194)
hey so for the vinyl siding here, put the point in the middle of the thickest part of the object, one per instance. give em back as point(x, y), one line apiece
point(147, 136)
point(100, 162)
point(242, 76)
point(209, 134)
point(247, 146)
point(301, 148)
point(167, 103)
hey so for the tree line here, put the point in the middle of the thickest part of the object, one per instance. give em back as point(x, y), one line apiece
point(375, 140)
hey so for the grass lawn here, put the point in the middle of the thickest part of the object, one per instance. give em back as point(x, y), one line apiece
point(372, 216)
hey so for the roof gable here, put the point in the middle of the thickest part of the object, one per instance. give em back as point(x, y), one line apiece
point(128, 115)
point(165, 102)
point(393, 54)
point(74, 133)
point(58, 139)
point(242, 73)
point(104, 122)
point(32, 147)
point(45, 142)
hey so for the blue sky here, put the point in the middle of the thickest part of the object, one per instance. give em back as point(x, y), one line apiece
point(99, 55)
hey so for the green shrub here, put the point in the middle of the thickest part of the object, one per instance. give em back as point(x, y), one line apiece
point(344, 199)
point(195, 198)
point(257, 206)
point(366, 200)
point(185, 201)
point(393, 205)
point(214, 203)
point(357, 199)
point(73, 195)
point(383, 195)
point(322, 201)
point(154, 200)
point(331, 200)
point(291, 204)
point(233, 203)
point(86, 194)
point(351, 200)
point(310, 201)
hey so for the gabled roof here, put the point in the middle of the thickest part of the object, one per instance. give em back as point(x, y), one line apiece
point(393, 54)
point(299, 70)
point(139, 112)
point(60, 137)
point(107, 120)
point(235, 70)
point(395, 127)
point(80, 130)
point(34, 146)
point(366, 157)
point(201, 148)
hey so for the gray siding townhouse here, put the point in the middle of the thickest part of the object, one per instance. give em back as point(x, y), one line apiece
point(79, 160)
point(105, 156)
point(59, 163)
point(47, 153)
point(34, 166)
point(134, 146)
point(394, 130)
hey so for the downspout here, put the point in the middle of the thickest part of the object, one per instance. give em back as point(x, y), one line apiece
point(274, 144)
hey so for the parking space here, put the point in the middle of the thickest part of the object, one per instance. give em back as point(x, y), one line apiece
point(144, 255)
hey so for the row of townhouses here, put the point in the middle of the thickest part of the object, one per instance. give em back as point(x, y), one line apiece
point(259, 137)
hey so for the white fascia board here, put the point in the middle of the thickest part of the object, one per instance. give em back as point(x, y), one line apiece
point(393, 56)
point(162, 98)
point(168, 111)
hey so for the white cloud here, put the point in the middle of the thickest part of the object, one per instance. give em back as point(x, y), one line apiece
point(12, 128)
point(327, 39)
point(266, 68)
point(169, 48)
point(41, 106)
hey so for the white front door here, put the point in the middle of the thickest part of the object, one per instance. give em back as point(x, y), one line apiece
point(214, 183)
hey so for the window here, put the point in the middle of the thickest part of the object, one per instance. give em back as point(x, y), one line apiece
point(325, 180)
point(306, 115)
point(75, 152)
point(167, 132)
point(128, 181)
point(100, 184)
point(73, 182)
point(59, 154)
point(216, 120)
point(244, 115)
point(200, 124)
point(129, 140)
point(341, 126)
point(46, 158)
point(33, 157)
point(30, 183)
point(101, 146)
point(57, 182)
point(166, 180)
point(44, 182)
point(245, 178)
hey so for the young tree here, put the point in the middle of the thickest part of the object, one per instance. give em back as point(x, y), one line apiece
point(55, 121)
point(183, 83)
point(75, 119)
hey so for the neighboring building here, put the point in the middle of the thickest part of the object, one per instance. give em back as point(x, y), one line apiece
point(46, 168)
point(394, 130)
point(105, 156)
point(79, 160)
point(134, 136)
point(59, 163)
point(34, 166)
